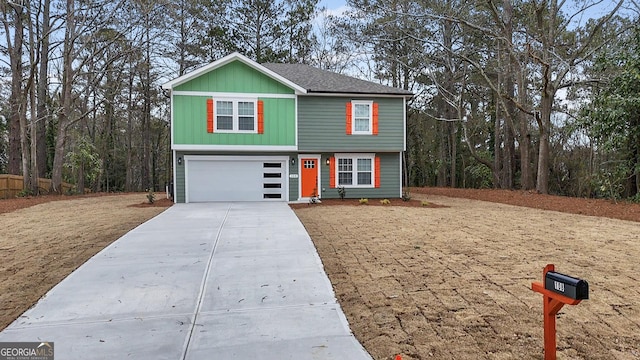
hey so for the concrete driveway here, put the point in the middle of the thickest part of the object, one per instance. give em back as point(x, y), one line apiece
point(199, 281)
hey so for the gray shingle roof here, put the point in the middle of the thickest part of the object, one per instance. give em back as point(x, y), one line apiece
point(321, 81)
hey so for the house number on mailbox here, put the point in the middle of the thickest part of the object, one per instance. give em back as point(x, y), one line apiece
point(558, 286)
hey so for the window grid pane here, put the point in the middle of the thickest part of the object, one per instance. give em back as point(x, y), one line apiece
point(345, 164)
point(245, 108)
point(345, 178)
point(364, 164)
point(224, 123)
point(362, 111)
point(224, 107)
point(245, 123)
point(364, 178)
point(362, 125)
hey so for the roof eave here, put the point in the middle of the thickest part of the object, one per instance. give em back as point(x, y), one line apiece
point(339, 93)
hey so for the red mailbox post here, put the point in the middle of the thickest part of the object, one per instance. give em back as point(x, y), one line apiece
point(552, 288)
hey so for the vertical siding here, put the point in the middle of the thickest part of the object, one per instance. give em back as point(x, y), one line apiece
point(322, 125)
point(235, 77)
point(389, 180)
point(190, 124)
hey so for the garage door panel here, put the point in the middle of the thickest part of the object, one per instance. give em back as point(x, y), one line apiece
point(235, 180)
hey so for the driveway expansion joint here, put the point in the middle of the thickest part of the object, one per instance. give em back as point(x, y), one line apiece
point(203, 285)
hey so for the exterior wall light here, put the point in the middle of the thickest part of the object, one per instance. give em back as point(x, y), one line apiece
point(180, 160)
point(293, 161)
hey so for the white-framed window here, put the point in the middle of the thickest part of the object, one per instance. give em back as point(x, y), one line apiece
point(236, 115)
point(362, 117)
point(355, 170)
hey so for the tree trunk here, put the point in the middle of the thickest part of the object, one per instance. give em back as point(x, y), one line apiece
point(43, 93)
point(80, 180)
point(453, 141)
point(30, 162)
point(544, 124)
point(636, 164)
point(58, 158)
point(509, 138)
point(547, 26)
point(33, 182)
point(128, 183)
point(66, 111)
point(497, 149)
point(442, 151)
point(22, 100)
point(24, 144)
point(524, 141)
point(146, 112)
point(14, 49)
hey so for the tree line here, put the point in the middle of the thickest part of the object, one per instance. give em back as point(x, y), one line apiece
point(514, 94)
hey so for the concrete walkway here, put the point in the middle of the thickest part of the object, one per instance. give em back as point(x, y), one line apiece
point(199, 281)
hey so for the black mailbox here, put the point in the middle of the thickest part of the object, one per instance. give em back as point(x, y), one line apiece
point(567, 285)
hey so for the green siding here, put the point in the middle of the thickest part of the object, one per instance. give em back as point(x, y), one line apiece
point(389, 180)
point(235, 77)
point(322, 125)
point(190, 124)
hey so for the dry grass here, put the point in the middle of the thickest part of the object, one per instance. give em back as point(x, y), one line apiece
point(454, 282)
point(42, 244)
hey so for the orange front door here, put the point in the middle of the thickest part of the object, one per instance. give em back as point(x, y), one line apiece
point(309, 177)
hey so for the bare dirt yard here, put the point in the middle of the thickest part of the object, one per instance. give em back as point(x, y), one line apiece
point(450, 280)
point(43, 239)
point(454, 282)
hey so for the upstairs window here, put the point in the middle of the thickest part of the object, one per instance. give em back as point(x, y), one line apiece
point(246, 115)
point(224, 115)
point(362, 117)
point(236, 115)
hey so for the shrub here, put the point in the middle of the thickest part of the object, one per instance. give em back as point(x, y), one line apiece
point(24, 193)
point(385, 201)
point(364, 201)
point(342, 192)
point(406, 195)
point(314, 197)
point(425, 203)
point(151, 196)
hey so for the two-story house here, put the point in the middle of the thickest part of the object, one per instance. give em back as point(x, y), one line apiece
point(243, 131)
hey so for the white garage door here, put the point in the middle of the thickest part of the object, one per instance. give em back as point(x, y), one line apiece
point(235, 178)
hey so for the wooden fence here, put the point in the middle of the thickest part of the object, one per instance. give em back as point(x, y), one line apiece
point(11, 185)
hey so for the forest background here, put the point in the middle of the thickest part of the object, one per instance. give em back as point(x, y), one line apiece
point(517, 94)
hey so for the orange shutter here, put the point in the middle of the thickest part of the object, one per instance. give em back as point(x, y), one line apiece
point(349, 118)
point(210, 115)
point(375, 118)
point(377, 172)
point(260, 117)
point(332, 172)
